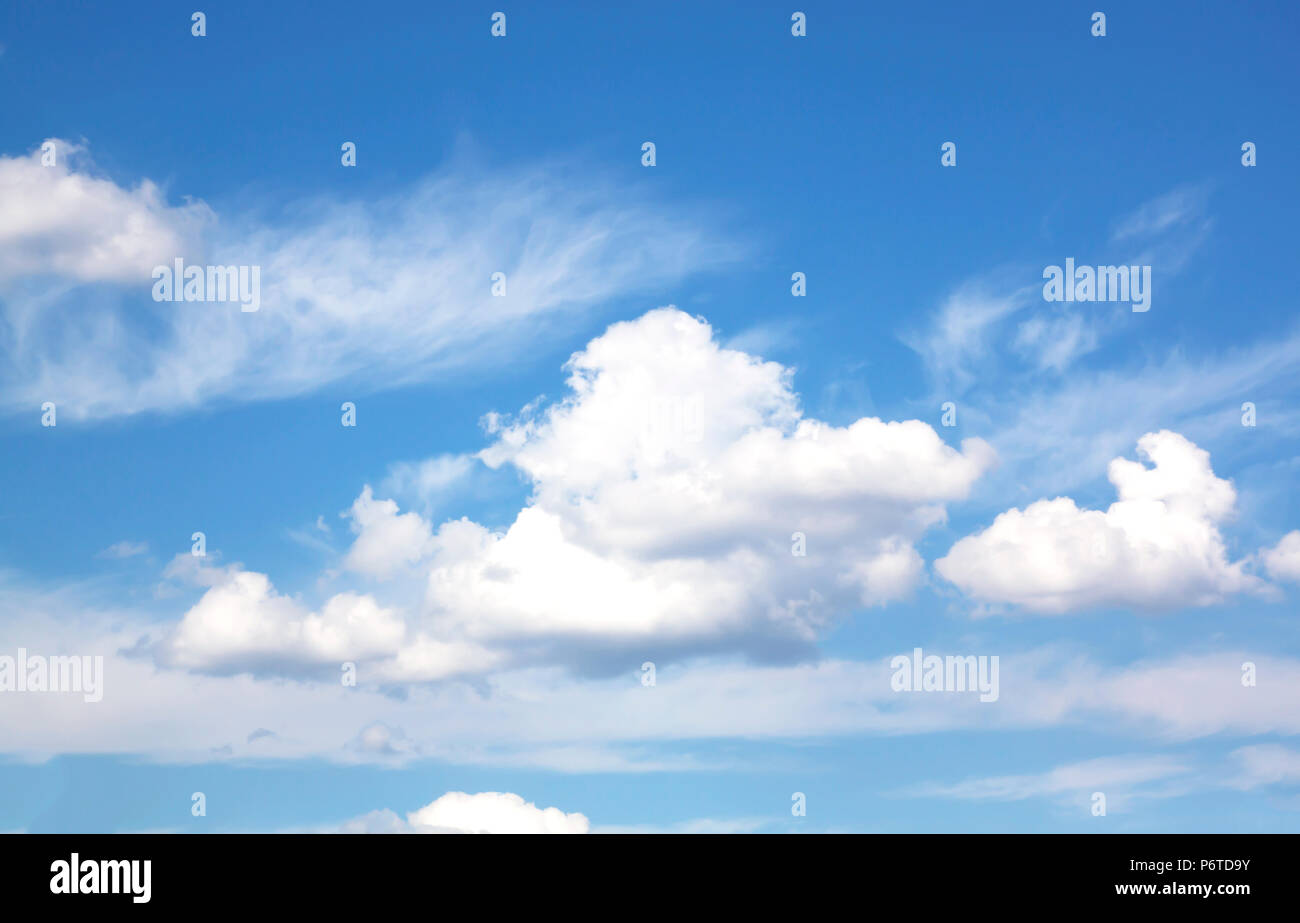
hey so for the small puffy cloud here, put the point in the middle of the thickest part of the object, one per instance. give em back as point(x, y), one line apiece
point(1282, 561)
point(195, 570)
point(458, 812)
point(1157, 547)
point(242, 623)
point(492, 812)
point(379, 739)
point(386, 540)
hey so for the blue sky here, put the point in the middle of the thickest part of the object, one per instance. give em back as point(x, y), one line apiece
point(501, 606)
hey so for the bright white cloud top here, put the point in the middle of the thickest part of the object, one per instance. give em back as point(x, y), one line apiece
point(494, 812)
point(485, 812)
point(1157, 547)
point(681, 504)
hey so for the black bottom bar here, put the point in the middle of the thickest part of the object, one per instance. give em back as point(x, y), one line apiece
point(333, 873)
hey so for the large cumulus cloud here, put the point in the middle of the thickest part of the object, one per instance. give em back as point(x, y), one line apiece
point(681, 503)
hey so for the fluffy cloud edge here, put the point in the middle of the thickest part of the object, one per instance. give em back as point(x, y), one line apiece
point(1157, 547)
point(484, 812)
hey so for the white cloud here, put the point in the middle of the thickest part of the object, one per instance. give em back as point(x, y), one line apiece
point(386, 540)
point(493, 812)
point(242, 623)
point(667, 491)
point(378, 739)
point(1157, 547)
point(196, 570)
point(485, 812)
point(550, 719)
point(376, 294)
point(63, 220)
point(684, 468)
point(1282, 561)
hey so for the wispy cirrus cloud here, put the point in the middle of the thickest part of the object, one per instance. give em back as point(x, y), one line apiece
point(1122, 779)
point(1053, 439)
point(376, 293)
point(1126, 779)
point(1167, 230)
point(996, 330)
point(1265, 765)
point(124, 549)
point(1016, 364)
